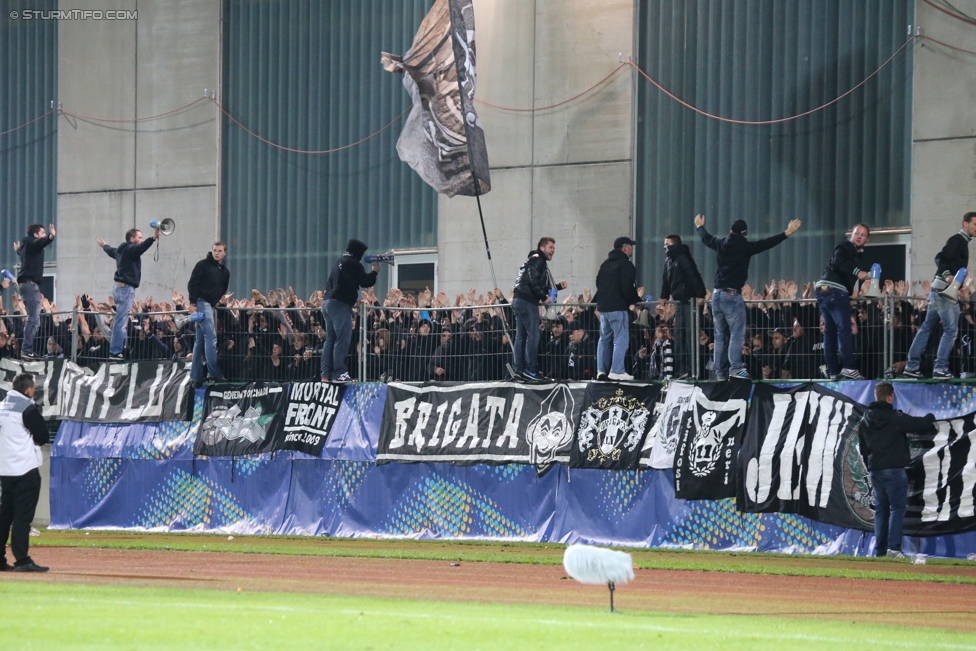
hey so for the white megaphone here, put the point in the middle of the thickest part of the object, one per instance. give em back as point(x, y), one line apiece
point(872, 289)
point(166, 226)
point(183, 319)
point(951, 293)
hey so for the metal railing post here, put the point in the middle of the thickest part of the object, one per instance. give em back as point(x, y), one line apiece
point(74, 335)
point(361, 354)
point(693, 337)
point(889, 336)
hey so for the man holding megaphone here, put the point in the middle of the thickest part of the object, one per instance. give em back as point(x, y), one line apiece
point(943, 304)
point(128, 274)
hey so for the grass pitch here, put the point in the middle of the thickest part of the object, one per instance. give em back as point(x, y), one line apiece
point(57, 616)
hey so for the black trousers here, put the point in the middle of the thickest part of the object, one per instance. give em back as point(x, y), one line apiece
point(17, 504)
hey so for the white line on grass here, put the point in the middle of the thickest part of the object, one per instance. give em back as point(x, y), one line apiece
point(507, 621)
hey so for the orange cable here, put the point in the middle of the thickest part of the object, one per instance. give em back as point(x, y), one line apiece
point(302, 151)
point(151, 117)
point(40, 117)
point(565, 101)
point(780, 120)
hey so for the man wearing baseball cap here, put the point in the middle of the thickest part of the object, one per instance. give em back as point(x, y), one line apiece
point(728, 308)
point(616, 291)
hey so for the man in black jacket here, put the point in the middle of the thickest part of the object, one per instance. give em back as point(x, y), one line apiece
point(684, 285)
point(341, 292)
point(22, 432)
point(208, 284)
point(834, 298)
point(883, 442)
point(616, 292)
point(128, 275)
point(31, 252)
point(728, 308)
point(953, 257)
point(532, 288)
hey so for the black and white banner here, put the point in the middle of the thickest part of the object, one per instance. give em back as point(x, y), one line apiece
point(684, 407)
point(613, 424)
point(942, 479)
point(800, 455)
point(240, 420)
point(47, 375)
point(125, 393)
point(495, 423)
point(308, 415)
point(709, 434)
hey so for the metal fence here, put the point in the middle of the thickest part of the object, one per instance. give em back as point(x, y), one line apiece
point(784, 340)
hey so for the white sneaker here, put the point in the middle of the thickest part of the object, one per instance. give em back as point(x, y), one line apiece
point(622, 377)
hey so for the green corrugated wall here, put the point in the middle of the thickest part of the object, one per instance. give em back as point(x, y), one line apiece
point(28, 156)
point(307, 75)
point(762, 60)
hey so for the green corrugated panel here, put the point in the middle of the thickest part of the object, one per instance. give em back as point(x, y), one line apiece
point(307, 75)
point(28, 157)
point(763, 60)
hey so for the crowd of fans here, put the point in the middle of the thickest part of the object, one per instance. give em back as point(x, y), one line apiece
point(423, 337)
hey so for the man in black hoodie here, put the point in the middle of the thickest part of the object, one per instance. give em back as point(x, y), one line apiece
point(208, 284)
point(31, 252)
point(616, 292)
point(533, 286)
point(883, 442)
point(341, 292)
point(834, 298)
point(128, 275)
point(684, 284)
point(728, 308)
point(953, 257)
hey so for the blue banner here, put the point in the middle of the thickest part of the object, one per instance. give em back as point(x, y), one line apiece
point(143, 477)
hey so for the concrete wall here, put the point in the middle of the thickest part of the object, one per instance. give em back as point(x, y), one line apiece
point(565, 172)
point(943, 134)
point(115, 176)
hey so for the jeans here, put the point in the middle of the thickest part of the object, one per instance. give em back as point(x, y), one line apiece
point(17, 505)
point(729, 317)
point(890, 498)
point(939, 310)
point(32, 301)
point(124, 296)
point(682, 336)
point(338, 336)
point(526, 355)
point(205, 345)
point(614, 340)
point(835, 307)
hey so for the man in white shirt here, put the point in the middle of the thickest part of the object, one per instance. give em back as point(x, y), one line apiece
point(22, 432)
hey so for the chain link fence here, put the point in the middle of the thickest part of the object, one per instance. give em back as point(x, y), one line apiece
point(784, 340)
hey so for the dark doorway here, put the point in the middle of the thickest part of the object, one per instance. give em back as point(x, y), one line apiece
point(891, 257)
point(415, 278)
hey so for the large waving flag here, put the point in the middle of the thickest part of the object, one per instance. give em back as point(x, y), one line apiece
point(442, 139)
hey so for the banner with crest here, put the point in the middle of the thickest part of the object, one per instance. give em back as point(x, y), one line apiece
point(613, 424)
point(709, 434)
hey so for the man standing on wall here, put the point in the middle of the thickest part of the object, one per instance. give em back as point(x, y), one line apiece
point(728, 307)
point(834, 298)
point(953, 257)
point(128, 275)
point(341, 292)
point(616, 292)
point(683, 283)
point(31, 251)
point(532, 288)
point(883, 442)
point(208, 284)
point(22, 432)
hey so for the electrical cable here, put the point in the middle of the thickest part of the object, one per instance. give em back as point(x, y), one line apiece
point(779, 120)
